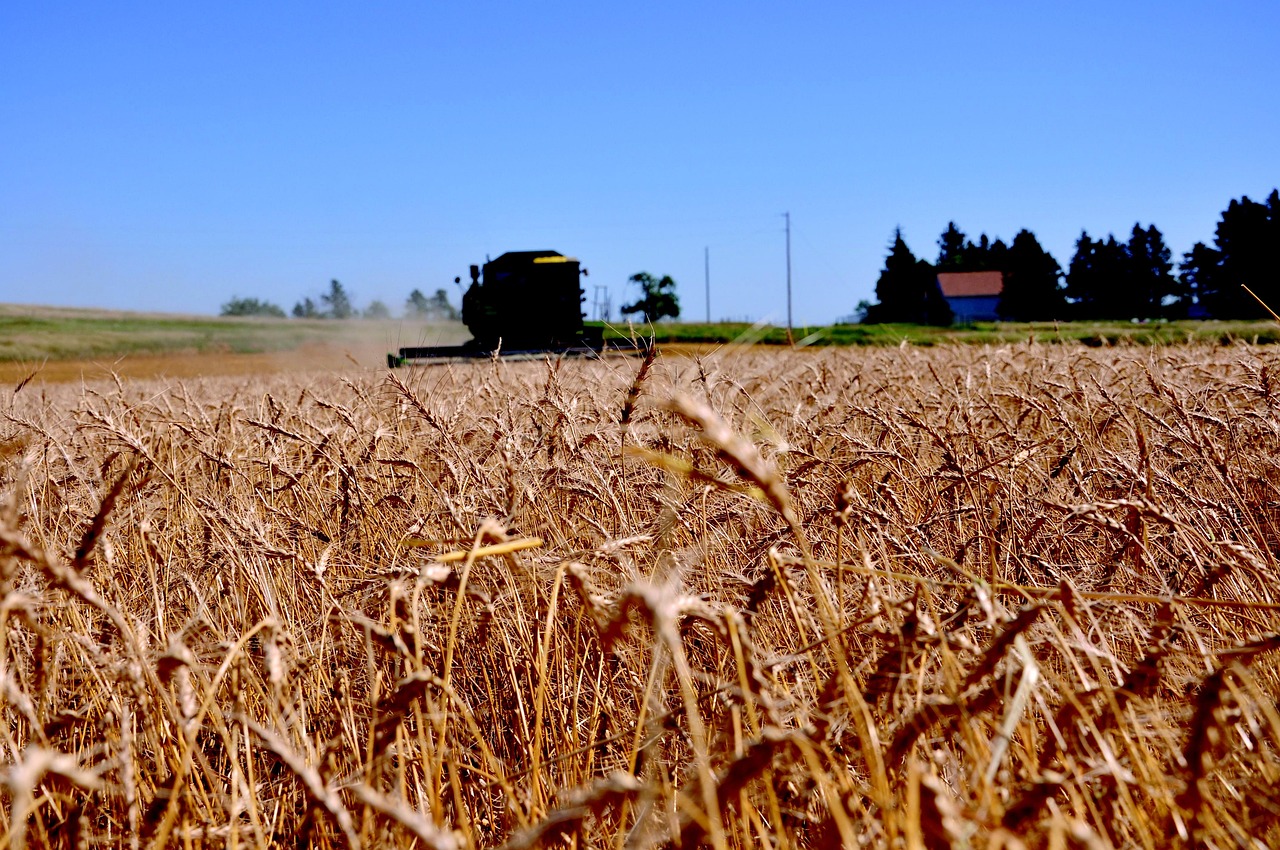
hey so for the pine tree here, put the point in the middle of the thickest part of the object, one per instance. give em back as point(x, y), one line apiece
point(1119, 280)
point(1151, 286)
point(976, 257)
point(1032, 282)
point(415, 306)
point(996, 257)
point(440, 307)
point(908, 290)
point(305, 309)
point(1081, 288)
point(1200, 273)
point(1244, 254)
point(952, 250)
point(1114, 293)
point(437, 307)
point(338, 300)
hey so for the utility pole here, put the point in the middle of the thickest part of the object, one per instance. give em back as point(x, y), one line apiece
point(706, 268)
point(787, 215)
point(602, 303)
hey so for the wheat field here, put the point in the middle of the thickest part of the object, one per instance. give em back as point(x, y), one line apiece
point(1024, 596)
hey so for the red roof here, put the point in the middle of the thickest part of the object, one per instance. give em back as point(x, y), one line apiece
point(970, 284)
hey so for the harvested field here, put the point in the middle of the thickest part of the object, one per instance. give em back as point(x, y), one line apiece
point(306, 359)
point(955, 597)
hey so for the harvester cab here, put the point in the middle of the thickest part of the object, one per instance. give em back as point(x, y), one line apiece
point(526, 300)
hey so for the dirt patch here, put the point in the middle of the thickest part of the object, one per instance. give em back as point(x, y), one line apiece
point(308, 358)
point(313, 357)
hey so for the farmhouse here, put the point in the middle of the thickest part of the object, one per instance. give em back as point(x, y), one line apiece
point(973, 296)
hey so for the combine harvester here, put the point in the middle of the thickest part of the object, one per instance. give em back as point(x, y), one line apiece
point(527, 305)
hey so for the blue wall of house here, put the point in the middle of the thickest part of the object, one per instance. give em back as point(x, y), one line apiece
point(975, 308)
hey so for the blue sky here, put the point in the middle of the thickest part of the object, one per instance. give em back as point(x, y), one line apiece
point(166, 156)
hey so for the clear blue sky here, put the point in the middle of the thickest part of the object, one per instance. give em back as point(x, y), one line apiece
point(166, 156)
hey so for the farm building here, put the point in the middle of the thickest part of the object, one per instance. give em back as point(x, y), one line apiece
point(973, 296)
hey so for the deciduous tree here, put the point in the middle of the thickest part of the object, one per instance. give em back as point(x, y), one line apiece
point(238, 306)
point(657, 298)
point(376, 310)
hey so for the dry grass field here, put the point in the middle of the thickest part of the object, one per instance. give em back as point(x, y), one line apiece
point(1012, 597)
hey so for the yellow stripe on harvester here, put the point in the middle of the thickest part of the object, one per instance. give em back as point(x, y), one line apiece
point(537, 260)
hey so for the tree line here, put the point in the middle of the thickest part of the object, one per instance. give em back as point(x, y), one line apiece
point(657, 300)
point(1106, 278)
point(336, 303)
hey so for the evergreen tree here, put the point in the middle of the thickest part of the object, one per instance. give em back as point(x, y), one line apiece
point(1119, 280)
point(441, 308)
point(1200, 273)
point(996, 257)
point(305, 309)
point(1151, 286)
point(951, 250)
point(1114, 296)
point(977, 257)
point(908, 290)
point(1095, 278)
point(437, 307)
point(416, 306)
point(1032, 282)
point(1246, 244)
point(974, 256)
point(338, 301)
point(1081, 288)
